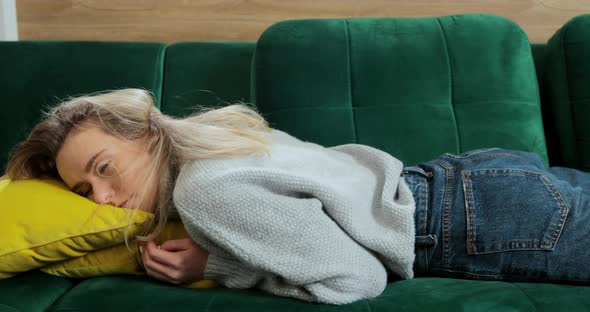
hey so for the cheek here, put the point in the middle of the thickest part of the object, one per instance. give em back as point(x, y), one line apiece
point(152, 192)
point(134, 174)
point(137, 184)
point(131, 184)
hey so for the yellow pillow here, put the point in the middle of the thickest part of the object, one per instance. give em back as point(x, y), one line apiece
point(118, 260)
point(43, 222)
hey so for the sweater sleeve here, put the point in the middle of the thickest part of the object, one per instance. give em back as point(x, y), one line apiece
point(277, 240)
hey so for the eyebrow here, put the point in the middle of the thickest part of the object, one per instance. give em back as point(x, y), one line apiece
point(87, 169)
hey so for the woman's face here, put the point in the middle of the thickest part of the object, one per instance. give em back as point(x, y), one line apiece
point(106, 169)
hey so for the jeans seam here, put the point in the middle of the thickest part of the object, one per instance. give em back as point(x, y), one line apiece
point(504, 171)
point(510, 276)
point(478, 275)
point(417, 181)
point(448, 202)
point(564, 209)
point(469, 212)
point(474, 159)
point(425, 200)
point(468, 154)
point(471, 274)
point(425, 226)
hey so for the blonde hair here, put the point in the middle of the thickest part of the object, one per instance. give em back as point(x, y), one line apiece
point(231, 131)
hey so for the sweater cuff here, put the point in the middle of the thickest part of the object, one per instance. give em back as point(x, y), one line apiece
point(229, 272)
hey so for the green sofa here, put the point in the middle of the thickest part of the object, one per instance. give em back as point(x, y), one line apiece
point(415, 88)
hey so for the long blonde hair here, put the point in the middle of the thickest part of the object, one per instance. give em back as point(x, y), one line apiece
point(231, 131)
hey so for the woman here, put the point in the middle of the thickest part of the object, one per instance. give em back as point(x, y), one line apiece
point(296, 219)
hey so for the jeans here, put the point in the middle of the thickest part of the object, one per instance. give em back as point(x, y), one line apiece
point(497, 214)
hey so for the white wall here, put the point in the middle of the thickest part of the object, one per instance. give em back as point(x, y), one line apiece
point(8, 28)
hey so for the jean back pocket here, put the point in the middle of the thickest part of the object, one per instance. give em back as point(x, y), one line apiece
point(511, 209)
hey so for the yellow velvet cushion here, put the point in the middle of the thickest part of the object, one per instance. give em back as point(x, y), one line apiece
point(43, 222)
point(118, 259)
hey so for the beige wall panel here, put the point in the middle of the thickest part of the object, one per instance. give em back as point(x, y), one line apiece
point(229, 20)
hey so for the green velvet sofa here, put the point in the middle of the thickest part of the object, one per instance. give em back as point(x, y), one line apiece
point(415, 88)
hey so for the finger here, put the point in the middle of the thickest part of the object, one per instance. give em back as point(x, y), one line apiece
point(158, 270)
point(147, 253)
point(158, 275)
point(155, 274)
point(156, 254)
point(145, 257)
point(176, 245)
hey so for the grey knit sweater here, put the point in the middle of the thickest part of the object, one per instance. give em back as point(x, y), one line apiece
point(314, 223)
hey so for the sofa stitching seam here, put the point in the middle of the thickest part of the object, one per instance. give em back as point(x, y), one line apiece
point(163, 66)
point(349, 59)
point(569, 99)
point(451, 95)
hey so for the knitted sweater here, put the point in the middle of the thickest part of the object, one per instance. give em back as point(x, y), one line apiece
point(314, 223)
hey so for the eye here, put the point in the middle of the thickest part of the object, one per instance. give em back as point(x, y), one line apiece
point(106, 169)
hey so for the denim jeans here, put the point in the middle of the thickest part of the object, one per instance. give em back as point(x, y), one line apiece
point(497, 214)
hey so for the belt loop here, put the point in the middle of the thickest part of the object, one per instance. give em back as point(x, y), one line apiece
point(425, 240)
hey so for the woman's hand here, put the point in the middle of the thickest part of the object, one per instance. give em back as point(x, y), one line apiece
point(177, 262)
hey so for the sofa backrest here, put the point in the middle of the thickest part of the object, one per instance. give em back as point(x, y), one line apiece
point(205, 74)
point(415, 88)
point(37, 75)
point(567, 77)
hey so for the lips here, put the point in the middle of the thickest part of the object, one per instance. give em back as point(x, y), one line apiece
point(122, 205)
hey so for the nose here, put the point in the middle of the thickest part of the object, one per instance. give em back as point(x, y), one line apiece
point(102, 193)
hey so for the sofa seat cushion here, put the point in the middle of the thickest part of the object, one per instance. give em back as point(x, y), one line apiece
point(420, 294)
point(414, 87)
point(32, 291)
